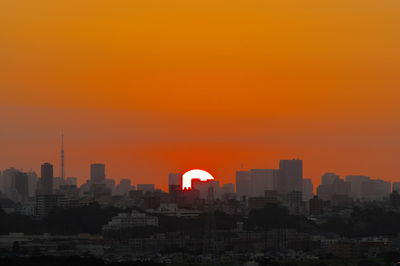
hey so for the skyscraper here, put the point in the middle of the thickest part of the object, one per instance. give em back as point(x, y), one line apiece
point(97, 173)
point(261, 180)
point(46, 179)
point(174, 179)
point(243, 183)
point(290, 175)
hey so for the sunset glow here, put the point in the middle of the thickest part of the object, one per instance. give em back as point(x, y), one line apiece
point(150, 87)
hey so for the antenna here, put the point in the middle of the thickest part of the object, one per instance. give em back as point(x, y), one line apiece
point(62, 169)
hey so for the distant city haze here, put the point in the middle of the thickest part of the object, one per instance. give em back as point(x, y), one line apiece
point(149, 87)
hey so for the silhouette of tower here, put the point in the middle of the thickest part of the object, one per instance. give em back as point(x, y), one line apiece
point(62, 168)
point(209, 243)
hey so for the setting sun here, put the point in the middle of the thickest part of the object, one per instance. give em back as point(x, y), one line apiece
point(193, 175)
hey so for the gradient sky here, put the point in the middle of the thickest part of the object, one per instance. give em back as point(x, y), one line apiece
point(155, 86)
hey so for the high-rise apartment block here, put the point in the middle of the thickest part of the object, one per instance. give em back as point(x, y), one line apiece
point(290, 176)
point(97, 173)
point(46, 180)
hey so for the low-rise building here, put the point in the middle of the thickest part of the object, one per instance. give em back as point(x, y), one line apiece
point(129, 220)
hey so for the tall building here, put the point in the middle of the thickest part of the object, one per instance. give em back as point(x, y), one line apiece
point(339, 187)
point(97, 173)
point(7, 181)
point(46, 203)
point(243, 183)
point(308, 189)
point(290, 175)
point(261, 180)
point(46, 179)
point(329, 178)
point(32, 183)
point(21, 185)
point(174, 179)
point(15, 184)
point(356, 185)
point(124, 187)
point(375, 189)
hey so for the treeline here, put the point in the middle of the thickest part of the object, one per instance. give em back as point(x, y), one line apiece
point(87, 219)
point(368, 220)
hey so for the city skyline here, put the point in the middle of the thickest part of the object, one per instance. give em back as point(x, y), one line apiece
point(93, 170)
point(251, 182)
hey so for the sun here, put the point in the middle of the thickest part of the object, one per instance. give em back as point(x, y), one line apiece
point(193, 175)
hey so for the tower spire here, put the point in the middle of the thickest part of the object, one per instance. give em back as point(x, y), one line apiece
point(62, 169)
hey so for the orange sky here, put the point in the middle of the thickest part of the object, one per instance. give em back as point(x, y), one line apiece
point(150, 87)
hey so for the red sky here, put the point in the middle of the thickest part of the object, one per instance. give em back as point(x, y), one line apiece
point(157, 86)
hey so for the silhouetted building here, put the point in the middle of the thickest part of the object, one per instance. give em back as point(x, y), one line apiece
point(130, 220)
point(175, 179)
point(290, 175)
point(316, 206)
point(341, 200)
point(375, 189)
point(46, 203)
point(32, 183)
point(15, 184)
point(110, 184)
point(329, 178)
point(99, 190)
point(202, 187)
point(46, 180)
point(243, 183)
point(69, 191)
point(356, 185)
point(97, 173)
point(271, 196)
point(261, 180)
point(146, 187)
point(394, 199)
point(124, 187)
point(21, 185)
point(338, 187)
point(308, 189)
point(294, 201)
point(257, 202)
point(151, 202)
point(294, 197)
